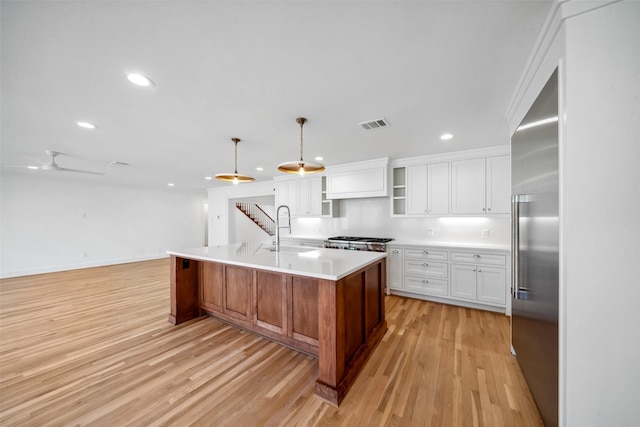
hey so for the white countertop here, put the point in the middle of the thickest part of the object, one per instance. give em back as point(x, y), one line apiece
point(330, 264)
point(450, 245)
point(415, 243)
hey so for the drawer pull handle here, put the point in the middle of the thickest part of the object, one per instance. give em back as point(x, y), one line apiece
point(424, 264)
point(424, 281)
point(425, 252)
point(395, 251)
point(476, 256)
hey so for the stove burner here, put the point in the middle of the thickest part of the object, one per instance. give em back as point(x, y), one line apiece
point(355, 243)
point(360, 239)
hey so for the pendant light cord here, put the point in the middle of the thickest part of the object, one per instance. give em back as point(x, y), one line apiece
point(236, 156)
point(301, 124)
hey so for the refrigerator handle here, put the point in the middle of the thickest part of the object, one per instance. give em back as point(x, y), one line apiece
point(515, 244)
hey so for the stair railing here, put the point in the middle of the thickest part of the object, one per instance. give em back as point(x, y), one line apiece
point(256, 214)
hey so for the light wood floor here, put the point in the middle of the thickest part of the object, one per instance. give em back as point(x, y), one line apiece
point(93, 347)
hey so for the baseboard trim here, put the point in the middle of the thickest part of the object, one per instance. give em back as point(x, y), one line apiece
point(58, 268)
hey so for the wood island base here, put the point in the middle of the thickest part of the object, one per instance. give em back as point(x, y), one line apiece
point(338, 322)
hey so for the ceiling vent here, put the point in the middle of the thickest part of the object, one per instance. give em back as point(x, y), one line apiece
point(117, 163)
point(374, 124)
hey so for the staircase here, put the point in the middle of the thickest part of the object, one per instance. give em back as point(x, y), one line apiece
point(258, 216)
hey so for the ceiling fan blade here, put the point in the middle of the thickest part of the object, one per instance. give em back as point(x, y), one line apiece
point(21, 167)
point(80, 171)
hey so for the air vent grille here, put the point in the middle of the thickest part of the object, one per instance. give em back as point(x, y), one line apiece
point(374, 124)
point(117, 163)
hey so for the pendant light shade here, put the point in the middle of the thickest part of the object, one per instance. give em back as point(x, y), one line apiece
point(301, 167)
point(235, 177)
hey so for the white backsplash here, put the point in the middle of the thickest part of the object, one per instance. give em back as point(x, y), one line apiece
point(371, 217)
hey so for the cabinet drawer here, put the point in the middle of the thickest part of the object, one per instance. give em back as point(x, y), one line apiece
point(479, 258)
point(426, 285)
point(426, 254)
point(424, 268)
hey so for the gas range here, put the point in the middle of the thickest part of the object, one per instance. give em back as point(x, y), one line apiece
point(355, 243)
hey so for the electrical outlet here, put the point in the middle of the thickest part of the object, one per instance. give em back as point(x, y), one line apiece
point(84, 254)
point(429, 232)
point(484, 233)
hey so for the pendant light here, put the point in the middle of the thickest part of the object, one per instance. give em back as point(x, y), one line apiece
point(301, 166)
point(235, 177)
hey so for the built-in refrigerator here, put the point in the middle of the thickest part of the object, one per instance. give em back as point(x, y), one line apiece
point(535, 254)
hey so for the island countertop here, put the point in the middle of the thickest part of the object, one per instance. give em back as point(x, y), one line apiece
point(321, 263)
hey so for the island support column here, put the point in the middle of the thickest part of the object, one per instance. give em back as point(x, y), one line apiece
point(351, 324)
point(185, 304)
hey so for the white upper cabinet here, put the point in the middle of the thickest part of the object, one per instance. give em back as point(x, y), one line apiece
point(358, 180)
point(417, 184)
point(302, 195)
point(481, 186)
point(428, 187)
point(468, 186)
point(499, 184)
point(310, 196)
point(438, 188)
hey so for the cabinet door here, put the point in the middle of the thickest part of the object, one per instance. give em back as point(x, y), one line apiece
point(492, 285)
point(287, 194)
point(426, 268)
point(468, 186)
point(498, 184)
point(438, 188)
point(463, 281)
point(211, 286)
point(271, 301)
point(427, 285)
point(310, 196)
point(417, 190)
point(238, 290)
point(304, 309)
point(395, 266)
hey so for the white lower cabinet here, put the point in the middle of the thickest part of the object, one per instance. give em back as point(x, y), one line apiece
point(426, 285)
point(394, 266)
point(469, 278)
point(480, 279)
point(492, 285)
point(463, 278)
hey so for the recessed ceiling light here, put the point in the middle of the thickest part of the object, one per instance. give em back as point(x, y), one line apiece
point(33, 167)
point(446, 136)
point(259, 168)
point(171, 184)
point(86, 125)
point(208, 178)
point(139, 79)
point(319, 158)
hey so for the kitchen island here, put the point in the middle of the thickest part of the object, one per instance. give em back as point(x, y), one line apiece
point(327, 303)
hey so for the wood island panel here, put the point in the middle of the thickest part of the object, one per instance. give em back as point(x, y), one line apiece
point(184, 290)
point(339, 322)
point(304, 309)
point(238, 287)
point(271, 301)
point(211, 286)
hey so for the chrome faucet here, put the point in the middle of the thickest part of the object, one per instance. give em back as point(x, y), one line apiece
point(278, 226)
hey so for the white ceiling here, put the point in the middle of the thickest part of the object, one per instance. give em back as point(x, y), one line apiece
point(248, 69)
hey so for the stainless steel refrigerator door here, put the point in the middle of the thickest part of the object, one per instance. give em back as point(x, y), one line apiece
point(534, 322)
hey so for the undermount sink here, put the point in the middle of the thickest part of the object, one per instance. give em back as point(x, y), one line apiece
point(292, 249)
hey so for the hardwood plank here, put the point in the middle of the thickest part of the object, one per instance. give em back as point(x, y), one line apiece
point(93, 347)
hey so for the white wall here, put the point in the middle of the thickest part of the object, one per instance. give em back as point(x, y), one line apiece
point(363, 217)
point(595, 45)
point(49, 223)
point(220, 211)
point(371, 217)
point(242, 229)
point(601, 203)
